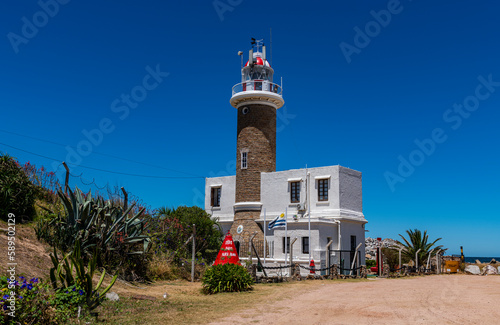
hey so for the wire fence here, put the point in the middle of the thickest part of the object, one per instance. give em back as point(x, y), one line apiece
point(48, 181)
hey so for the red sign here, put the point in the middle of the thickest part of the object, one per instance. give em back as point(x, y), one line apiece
point(227, 252)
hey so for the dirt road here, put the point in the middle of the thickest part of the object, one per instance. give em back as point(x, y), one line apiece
point(439, 299)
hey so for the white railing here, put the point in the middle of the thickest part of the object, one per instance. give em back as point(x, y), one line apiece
point(257, 85)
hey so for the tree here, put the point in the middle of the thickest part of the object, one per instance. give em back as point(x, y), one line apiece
point(17, 193)
point(172, 227)
point(418, 241)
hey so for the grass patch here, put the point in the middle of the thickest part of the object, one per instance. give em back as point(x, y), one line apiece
point(186, 304)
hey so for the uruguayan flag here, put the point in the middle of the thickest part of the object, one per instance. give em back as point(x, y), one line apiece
point(277, 222)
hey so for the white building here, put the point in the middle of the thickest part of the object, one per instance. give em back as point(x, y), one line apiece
point(322, 205)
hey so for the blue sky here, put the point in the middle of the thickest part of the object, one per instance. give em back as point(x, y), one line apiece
point(407, 92)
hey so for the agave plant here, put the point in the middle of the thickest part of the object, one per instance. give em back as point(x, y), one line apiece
point(71, 271)
point(97, 224)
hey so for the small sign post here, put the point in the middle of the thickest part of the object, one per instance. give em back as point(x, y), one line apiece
point(227, 252)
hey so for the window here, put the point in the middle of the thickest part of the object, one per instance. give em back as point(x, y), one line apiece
point(287, 245)
point(237, 246)
point(215, 197)
point(244, 159)
point(271, 248)
point(305, 245)
point(322, 189)
point(295, 192)
point(353, 248)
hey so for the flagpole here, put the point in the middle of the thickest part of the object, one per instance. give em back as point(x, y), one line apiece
point(286, 239)
point(265, 226)
point(309, 209)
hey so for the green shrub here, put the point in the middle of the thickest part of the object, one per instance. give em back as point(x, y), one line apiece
point(371, 263)
point(391, 257)
point(37, 303)
point(31, 303)
point(171, 228)
point(69, 298)
point(226, 278)
point(17, 193)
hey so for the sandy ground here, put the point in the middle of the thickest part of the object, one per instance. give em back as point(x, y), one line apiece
point(31, 256)
point(438, 299)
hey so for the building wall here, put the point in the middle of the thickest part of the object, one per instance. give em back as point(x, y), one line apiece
point(321, 233)
point(350, 189)
point(344, 204)
point(225, 212)
point(344, 192)
point(351, 228)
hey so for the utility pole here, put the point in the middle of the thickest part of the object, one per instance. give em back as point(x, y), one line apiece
point(66, 179)
point(193, 253)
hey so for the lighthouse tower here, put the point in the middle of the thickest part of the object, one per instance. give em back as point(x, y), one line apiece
point(256, 98)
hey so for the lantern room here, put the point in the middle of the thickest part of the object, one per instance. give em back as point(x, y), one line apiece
point(257, 84)
point(258, 69)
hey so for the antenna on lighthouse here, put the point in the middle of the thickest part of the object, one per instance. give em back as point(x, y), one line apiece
point(240, 53)
point(250, 56)
point(271, 41)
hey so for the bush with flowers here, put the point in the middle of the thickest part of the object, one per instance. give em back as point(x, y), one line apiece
point(36, 303)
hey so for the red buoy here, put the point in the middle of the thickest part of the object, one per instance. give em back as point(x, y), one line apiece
point(312, 267)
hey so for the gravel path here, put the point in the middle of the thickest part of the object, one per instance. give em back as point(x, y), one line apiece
point(439, 299)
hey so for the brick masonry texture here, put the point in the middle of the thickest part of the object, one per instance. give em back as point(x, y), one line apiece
point(247, 219)
point(257, 134)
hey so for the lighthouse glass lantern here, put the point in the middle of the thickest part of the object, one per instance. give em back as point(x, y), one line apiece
point(257, 80)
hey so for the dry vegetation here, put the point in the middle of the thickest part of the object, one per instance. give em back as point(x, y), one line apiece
point(185, 304)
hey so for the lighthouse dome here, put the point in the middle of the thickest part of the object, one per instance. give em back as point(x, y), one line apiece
point(258, 60)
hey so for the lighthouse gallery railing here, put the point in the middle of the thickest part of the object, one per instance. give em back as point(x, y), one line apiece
point(257, 85)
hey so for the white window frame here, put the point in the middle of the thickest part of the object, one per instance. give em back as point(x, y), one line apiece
point(244, 159)
point(219, 197)
point(298, 191)
point(327, 179)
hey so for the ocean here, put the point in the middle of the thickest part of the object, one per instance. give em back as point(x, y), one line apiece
point(481, 259)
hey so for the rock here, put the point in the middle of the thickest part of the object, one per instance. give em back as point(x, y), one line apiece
point(472, 269)
point(493, 261)
point(371, 245)
point(489, 270)
point(478, 262)
point(499, 270)
point(113, 296)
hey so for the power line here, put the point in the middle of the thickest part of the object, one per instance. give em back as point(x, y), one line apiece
point(103, 170)
point(99, 153)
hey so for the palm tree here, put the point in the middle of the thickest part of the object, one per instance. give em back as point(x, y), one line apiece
point(418, 241)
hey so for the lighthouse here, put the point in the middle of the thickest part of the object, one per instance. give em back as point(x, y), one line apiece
point(322, 207)
point(256, 99)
